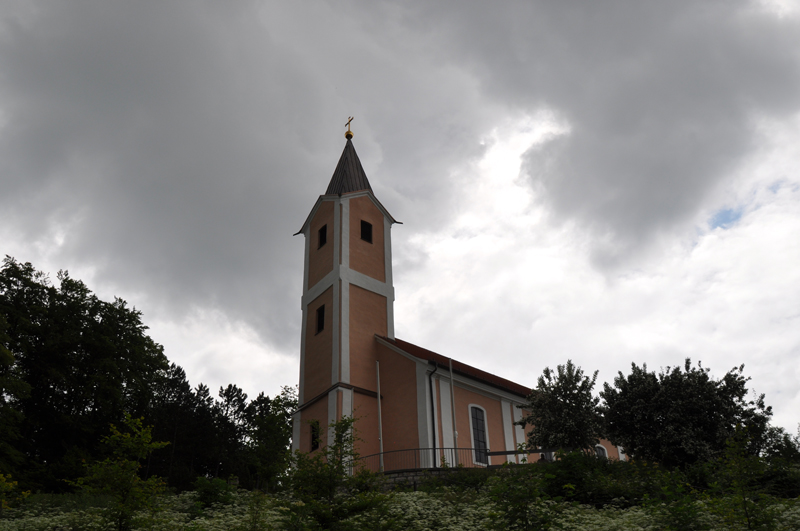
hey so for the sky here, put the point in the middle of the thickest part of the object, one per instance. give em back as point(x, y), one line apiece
point(609, 182)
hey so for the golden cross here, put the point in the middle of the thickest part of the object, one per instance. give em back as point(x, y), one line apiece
point(348, 123)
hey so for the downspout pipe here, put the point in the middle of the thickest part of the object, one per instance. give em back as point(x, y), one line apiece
point(433, 410)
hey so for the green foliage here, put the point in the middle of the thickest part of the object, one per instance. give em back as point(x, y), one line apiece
point(10, 493)
point(739, 474)
point(562, 413)
point(118, 477)
point(519, 494)
point(677, 505)
point(270, 434)
point(12, 390)
point(680, 417)
point(327, 488)
point(523, 499)
point(85, 362)
point(72, 364)
point(459, 480)
point(213, 490)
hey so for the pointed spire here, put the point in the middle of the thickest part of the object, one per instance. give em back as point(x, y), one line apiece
point(349, 176)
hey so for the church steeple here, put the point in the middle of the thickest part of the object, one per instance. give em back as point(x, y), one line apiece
point(349, 175)
point(348, 300)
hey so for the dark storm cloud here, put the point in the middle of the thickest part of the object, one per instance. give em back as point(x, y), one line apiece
point(177, 146)
point(663, 98)
point(154, 148)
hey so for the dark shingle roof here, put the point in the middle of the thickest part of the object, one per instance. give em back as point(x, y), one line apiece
point(460, 368)
point(348, 176)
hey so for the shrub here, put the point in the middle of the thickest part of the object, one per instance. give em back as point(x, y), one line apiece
point(213, 490)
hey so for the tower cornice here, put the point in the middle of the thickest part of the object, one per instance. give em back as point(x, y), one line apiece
point(336, 199)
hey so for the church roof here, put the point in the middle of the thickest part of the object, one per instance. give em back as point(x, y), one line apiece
point(349, 175)
point(460, 368)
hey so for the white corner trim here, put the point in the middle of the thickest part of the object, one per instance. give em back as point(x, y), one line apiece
point(303, 329)
point(336, 319)
point(519, 432)
point(336, 231)
point(423, 413)
point(331, 415)
point(387, 258)
point(306, 258)
point(345, 224)
point(296, 423)
point(508, 431)
point(345, 332)
point(447, 414)
point(347, 402)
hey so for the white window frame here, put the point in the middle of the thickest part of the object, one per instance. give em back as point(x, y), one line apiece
point(472, 435)
point(605, 450)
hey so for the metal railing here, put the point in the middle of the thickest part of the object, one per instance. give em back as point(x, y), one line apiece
point(417, 458)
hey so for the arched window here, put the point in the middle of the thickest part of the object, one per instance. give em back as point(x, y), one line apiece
point(477, 419)
point(600, 450)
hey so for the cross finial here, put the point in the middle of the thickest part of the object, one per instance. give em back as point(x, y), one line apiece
point(348, 134)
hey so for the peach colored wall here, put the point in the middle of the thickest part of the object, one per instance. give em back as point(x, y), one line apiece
point(399, 401)
point(319, 347)
point(367, 258)
point(316, 411)
point(367, 318)
point(320, 260)
point(494, 421)
point(365, 410)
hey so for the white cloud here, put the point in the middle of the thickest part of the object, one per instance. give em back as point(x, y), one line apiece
point(503, 287)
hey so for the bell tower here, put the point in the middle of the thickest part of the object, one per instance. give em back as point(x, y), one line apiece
point(348, 298)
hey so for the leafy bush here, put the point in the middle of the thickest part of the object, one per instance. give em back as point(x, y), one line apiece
point(213, 490)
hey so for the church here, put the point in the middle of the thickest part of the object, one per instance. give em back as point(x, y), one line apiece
point(414, 408)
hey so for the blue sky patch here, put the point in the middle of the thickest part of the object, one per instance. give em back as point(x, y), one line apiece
point(725, 218)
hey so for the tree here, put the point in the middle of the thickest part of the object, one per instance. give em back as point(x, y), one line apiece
point(562, 413)
point(118, 476)
point(270, 434)
point(329, 483)
point(12, 390)
point(680, 417)
point(86, 361)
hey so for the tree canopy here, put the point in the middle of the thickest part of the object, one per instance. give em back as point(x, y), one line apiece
point(71, 365)
point(682, 416)
point(561, 411)
point(85, 360)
